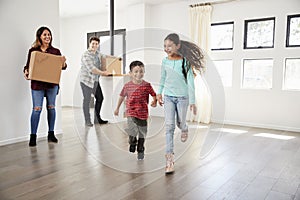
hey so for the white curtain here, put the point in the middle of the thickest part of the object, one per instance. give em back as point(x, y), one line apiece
point(200, 21)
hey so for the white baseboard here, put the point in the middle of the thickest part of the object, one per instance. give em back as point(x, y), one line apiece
point(40, 136)
point(267, 126)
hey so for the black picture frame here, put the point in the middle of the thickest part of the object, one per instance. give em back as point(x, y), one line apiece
point(247, 22)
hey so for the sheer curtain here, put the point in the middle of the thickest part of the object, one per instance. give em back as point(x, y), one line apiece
point(200, 21)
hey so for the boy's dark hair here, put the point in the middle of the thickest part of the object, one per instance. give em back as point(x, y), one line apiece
point(94, 38)
point(136, 63)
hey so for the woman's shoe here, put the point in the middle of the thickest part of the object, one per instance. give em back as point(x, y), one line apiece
point(51, 137)
point(169, 163)
point(32, 141)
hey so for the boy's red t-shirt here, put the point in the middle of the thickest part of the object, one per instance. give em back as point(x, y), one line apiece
point(137, 99)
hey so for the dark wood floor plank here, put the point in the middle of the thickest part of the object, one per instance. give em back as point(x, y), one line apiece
point(217, 162)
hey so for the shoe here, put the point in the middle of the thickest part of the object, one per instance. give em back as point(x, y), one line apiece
point(51, 137)
point(89, 124)
point(100, 121)
point(140, 148)
point(184, 136)
point(140, 156)
point(140, 145)
point(169, 163)
point(32, 141)
point(132, 148)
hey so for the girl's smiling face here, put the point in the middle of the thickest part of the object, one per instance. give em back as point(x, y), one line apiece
point(171, 48)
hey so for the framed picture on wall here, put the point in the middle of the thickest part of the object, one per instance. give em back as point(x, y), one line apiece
point(293, 31)
point(259, 33)
point(222, 36)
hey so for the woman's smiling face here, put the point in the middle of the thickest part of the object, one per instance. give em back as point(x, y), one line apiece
point(46, 37)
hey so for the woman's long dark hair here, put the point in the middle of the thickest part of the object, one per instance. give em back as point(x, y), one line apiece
point(39, 32)
point(188, 50)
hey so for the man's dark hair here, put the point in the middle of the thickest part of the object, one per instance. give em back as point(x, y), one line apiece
point(95, 39)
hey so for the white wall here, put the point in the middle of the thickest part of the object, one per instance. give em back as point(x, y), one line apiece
point(19, 21)
point(271, 109)
point(274, 108)
point(74, 39)
point(73, 44)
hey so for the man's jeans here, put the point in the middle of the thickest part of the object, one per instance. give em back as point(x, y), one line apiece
point(87, 92)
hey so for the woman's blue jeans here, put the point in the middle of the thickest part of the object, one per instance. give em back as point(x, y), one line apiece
point(175, 108)
point(37, 101)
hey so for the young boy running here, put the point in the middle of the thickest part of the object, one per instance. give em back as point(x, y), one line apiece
point(137, 93)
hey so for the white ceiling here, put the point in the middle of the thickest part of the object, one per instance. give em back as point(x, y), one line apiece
point(73, 8)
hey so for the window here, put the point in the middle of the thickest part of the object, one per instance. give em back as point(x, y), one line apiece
point(257, 73)
point(224, 68)
point(259, 33)
point(222, 36)
point(292, 74)
point(293, 31)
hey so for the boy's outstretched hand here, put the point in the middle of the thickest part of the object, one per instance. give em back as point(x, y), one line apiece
point(153, 103)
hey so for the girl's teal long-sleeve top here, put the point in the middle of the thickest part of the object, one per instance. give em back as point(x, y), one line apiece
point(172, 81)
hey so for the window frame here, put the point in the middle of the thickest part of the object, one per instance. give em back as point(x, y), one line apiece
point(231, 80)
point(246, 22)
point(232, 39)
point(243, 74)
point(284, 75)
point(289, 17)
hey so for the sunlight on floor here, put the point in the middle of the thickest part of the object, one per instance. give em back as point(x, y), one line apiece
point(274, 136)
point(197, 126)
point(229, 130)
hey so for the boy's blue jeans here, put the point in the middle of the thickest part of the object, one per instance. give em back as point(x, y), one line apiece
point(174, 108)
point(37, 101)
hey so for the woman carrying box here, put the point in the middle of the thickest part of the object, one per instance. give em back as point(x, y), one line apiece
point(39, 89)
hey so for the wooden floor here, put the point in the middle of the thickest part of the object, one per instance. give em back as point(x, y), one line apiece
point(217, 162)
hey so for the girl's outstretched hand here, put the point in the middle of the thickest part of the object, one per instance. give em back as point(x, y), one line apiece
point(159, 99)
point(193, 108)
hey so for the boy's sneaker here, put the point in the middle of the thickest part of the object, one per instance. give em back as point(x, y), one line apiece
point(140, 156)
point(132, 148)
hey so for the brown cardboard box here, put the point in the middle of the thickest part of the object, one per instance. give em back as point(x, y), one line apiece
point(45, 67)
point(114, 65)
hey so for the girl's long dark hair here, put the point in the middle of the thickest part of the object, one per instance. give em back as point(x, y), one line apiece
point(190, 51)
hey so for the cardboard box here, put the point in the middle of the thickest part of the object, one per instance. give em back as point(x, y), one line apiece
point(45, 67)
point(114, 65)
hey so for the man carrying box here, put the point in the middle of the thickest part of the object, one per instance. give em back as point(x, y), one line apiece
point(91, 64)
